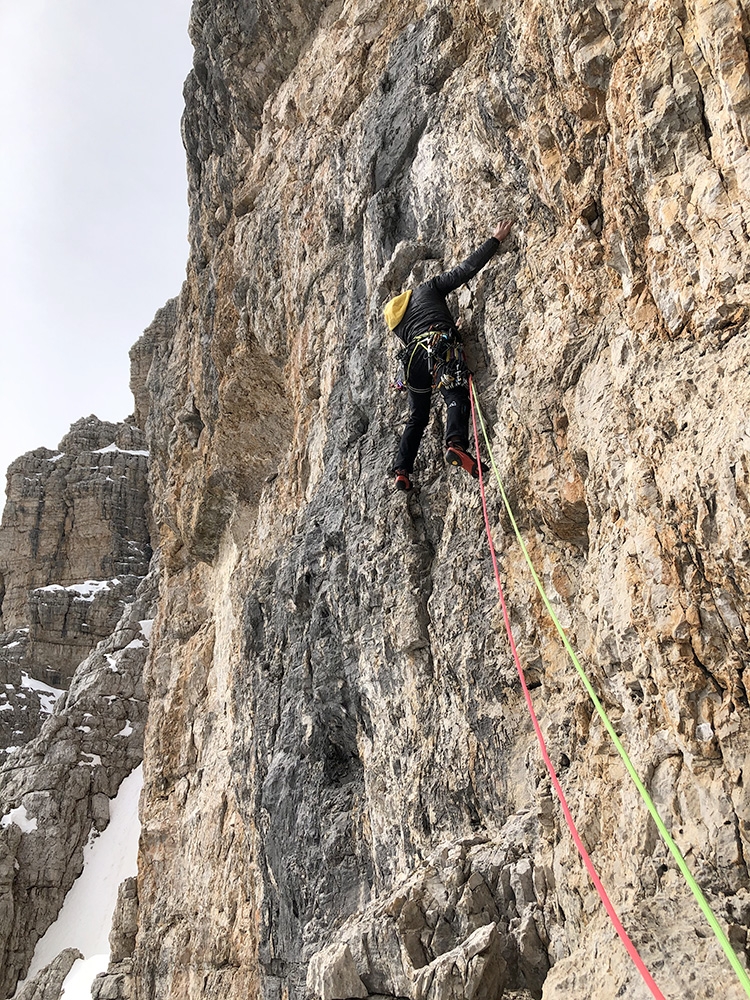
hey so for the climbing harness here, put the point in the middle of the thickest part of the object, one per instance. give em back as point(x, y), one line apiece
point(667, 838)
point(446, 361)
point(450, 371)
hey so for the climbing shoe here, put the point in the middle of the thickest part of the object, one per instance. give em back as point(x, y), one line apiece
point(403, 482)
point(455, 455)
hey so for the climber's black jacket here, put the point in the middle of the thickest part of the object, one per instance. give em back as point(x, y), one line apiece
point(427, 309)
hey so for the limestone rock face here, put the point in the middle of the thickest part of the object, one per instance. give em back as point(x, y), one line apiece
point(73, 515)
point(55, 790)
point(342, 785)
point(74, 545)
point(47, 985)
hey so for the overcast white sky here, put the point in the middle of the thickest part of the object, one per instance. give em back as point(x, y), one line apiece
point(93, 205)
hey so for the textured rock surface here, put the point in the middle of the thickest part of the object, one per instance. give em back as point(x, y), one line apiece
point(341, 784)
point(55, 791)
point(74, 545)
point(332, 705)
point(75, 514)
point(117, 982)
point(47, 985)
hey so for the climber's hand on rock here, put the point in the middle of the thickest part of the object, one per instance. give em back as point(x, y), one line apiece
point(503, 229)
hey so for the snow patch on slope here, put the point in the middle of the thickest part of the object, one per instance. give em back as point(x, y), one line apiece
point(85, 920)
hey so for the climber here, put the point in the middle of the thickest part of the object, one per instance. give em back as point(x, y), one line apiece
point(433, 358)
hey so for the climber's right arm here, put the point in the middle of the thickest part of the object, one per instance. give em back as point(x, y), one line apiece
point(449, 281)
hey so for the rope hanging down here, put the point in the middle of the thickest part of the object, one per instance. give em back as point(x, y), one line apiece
point(616, 922)
point(663, 831)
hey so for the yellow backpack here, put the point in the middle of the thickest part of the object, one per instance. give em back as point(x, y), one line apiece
point(395, 309)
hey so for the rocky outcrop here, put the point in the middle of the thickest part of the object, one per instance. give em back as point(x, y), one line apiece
point(75, 514)
point(48, 984)
point(466, 923)
point(74, 545)
point(116, 983)
point(55, 791)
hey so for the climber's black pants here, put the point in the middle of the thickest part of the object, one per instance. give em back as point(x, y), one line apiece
point(420, 393)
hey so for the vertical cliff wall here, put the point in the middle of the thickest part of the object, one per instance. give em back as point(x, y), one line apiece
point(342, 792)
point(76, 606)
point(74, 546)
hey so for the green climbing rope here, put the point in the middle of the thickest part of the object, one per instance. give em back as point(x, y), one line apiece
point(642, 790)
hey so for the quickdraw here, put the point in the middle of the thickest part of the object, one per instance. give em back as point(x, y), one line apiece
point(446, 361)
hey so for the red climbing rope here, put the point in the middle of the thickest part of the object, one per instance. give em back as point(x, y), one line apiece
point(621, 932)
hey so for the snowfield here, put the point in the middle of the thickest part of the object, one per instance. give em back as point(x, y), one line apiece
point(85, 919)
